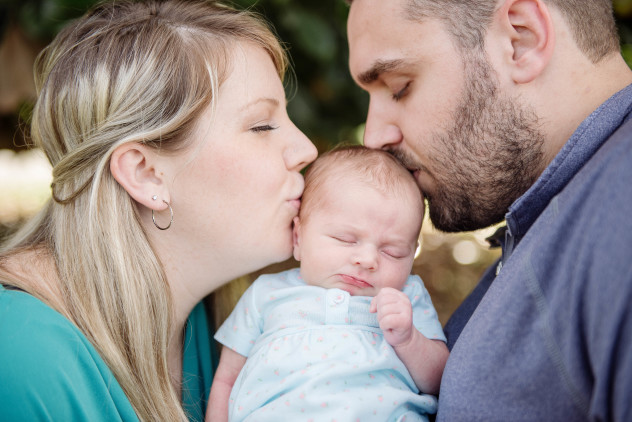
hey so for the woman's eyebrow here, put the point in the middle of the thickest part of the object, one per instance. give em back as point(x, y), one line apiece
point(272, 101)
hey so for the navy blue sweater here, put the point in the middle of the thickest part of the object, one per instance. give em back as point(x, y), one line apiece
point(551, 339)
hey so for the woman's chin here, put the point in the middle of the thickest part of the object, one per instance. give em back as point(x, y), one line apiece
point(277, 256)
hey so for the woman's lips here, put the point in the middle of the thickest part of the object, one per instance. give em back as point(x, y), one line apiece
point(354, 281)
point(295, 203)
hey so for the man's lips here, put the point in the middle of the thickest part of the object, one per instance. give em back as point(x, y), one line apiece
point(354, 281)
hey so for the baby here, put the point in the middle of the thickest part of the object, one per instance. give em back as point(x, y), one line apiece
point(351, 335)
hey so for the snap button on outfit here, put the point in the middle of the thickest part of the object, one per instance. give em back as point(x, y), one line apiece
point(337, 308)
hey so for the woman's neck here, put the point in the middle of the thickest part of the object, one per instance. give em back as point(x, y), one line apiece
point(184, 300)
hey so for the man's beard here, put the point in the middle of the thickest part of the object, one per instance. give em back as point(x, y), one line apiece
point(485, 159)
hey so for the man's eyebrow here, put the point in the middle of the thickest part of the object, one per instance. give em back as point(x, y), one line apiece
point(272, 101)
point(379, 67)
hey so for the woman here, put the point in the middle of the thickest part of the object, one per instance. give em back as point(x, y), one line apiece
point(175, 170)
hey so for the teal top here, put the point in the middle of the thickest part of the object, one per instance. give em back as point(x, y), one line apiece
point(49, 371)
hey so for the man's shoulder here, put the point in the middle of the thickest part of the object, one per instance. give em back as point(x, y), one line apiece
point(618, 144)
point(603, 184)
point(601, 189)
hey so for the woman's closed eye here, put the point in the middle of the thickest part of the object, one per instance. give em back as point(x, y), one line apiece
point(263, 128)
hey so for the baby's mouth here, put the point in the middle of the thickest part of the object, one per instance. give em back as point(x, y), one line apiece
point(354, 281)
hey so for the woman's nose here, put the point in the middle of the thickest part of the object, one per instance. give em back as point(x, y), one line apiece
point(380, 132)
point(300, 152)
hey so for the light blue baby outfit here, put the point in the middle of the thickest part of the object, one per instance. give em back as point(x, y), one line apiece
point(317, 354)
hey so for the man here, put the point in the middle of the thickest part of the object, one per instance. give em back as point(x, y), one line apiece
point(517, 110)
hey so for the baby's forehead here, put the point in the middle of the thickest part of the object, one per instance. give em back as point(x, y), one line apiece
point(335, 193)
point(396, 187)
point(347, 168)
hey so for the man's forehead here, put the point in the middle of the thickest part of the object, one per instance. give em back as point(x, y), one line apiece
point(371, 26)
point(380, 44)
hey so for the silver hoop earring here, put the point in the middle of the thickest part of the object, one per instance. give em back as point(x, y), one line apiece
point(154, 218)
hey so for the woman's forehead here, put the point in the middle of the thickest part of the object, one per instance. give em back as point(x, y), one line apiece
point(252, 74)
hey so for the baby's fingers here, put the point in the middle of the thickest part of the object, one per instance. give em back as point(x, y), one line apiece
point(395, 311)
point(373, 305)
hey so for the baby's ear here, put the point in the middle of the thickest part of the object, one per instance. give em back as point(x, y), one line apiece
point(296, 238)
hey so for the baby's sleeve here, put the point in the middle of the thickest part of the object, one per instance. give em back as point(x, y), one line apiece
point(425, 317)
point(243, 326)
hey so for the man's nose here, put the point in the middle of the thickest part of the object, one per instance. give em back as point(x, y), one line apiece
point(381, 131)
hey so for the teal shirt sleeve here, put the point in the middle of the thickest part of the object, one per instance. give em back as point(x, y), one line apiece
point(49, 371)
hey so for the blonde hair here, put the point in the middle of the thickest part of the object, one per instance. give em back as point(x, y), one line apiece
point(125, 72)
point(376, 168)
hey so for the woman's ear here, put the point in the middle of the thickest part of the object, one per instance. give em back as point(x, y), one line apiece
point(529, 26)
point(296, 238)
point(134, 166)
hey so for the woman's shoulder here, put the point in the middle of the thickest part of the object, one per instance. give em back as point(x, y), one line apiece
point(50, 368)
point(26, 322)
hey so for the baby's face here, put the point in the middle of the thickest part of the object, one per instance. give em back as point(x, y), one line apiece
point(359, 240)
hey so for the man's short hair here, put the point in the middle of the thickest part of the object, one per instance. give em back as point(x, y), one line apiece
point(591, 22)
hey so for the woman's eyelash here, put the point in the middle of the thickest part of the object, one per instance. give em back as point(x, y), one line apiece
point(399, 94)
point(263, 128)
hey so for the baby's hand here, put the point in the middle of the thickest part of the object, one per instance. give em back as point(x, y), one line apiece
point(394, 314)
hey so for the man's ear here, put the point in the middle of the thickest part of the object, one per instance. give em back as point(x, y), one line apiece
point(296, 238)
point(529, 26)
point(133, 165)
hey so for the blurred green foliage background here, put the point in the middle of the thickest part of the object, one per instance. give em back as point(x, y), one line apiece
point(324, 103)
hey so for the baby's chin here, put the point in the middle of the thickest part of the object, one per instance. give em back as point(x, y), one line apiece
point(357, 291)
point(336, 283)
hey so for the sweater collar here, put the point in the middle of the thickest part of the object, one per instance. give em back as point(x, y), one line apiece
point(591, 134)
